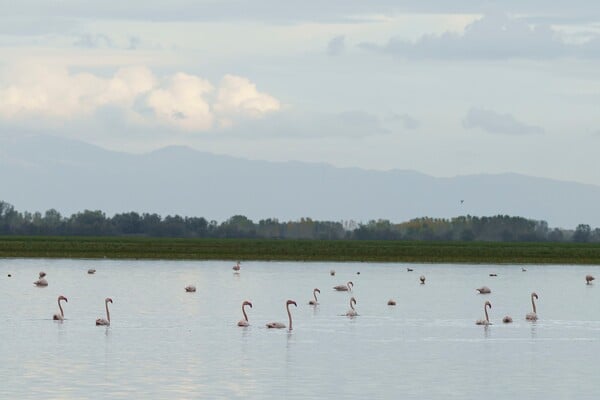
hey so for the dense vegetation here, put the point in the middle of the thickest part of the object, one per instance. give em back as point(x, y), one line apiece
point(300, 250)
point(499, 228)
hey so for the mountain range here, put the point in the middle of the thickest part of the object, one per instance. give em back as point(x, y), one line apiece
point(39, 172)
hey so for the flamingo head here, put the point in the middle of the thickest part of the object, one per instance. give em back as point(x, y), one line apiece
point(534, 294)
point(291, 302)
point(247, 303)
point(108, 300)
point(350, 284)
point(352, 300)
point(317, 290)
point(63, 298)
point(488, 304)
point(42, 274)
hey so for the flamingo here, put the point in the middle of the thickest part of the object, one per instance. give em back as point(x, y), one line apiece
point(507, 319)
point(352, 312)
point(391, 302)
point(485, 321)
point(41, 282)
point(244, 322)
point(102, 321)
point(484, 290)
point(279, 325)
point(91, 271)
point(532, 316)
point(61, 316)
point(190, 288)
point(315, 301)
point(344, 288)
point(422, 279)
point(589, 279)
point(236, 267)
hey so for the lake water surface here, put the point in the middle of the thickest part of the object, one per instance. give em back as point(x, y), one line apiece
point(166, 343)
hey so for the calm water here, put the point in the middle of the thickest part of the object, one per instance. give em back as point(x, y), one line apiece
point(164, 342)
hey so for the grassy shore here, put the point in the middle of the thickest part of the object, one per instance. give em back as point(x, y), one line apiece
point(299, 250)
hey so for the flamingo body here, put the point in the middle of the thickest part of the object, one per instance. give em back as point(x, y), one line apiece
point(391, 302)
point(352, 312)
point(244, 322)
point(532, 316)
point(61, 316)
point(315, 301)
point(485, 321)
point(344, 288)
point(190, 288)
point(589, 279)
point(484, 290)
point(102, 321)
point(279, 325)
point(91, 271)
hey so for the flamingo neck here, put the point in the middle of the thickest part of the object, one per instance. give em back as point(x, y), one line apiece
point(244, 312)
point(315, 295)
point(62, 314)
point(533, 304)
point(487, 319)
point(107, 313)
point(351, 305)
point(289, 315)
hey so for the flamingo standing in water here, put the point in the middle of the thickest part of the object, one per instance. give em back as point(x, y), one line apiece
point(244, 322)
point(532, 316)
point(507, 319)
point(485, 321)
point(315, 301)
point(391, 302)
point(344, 288)
point(589, 279)
point(102, 321)
point(279, 325)
point(352, 312)
point(484, 290)
point(237, 267)
point(61, 316)
point(41, 282)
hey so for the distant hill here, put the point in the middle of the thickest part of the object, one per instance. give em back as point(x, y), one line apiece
point(42, 172)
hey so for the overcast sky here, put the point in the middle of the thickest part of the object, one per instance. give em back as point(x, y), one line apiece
point(445, 88)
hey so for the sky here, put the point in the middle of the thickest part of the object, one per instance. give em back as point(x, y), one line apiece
point(444, 88)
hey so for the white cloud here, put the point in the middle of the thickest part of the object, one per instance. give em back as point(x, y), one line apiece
point(237, 96)
point(497, 123)
point(182, 101)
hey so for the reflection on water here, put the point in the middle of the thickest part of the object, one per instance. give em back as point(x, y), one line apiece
point(164, 342)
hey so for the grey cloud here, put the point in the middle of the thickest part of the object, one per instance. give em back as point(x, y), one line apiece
point(280, 11)
point(497, 123)
point(495, 36)
point(336, 46)
point(102, 41)
point(406, 120)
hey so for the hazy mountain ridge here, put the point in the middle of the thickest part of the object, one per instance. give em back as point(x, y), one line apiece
point(42, 172)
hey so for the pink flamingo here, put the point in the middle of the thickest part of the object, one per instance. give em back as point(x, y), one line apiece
point(485, 321)
point(484, 290)
point(589, 279)
point(236, 267)
point(344, 288)
point(352, 312)
point(532, 316)
point(315, 301)
point(61, 316)
point(391, 302)
point(279, 325)
point(102, 321)
point(507, 319)
point(244, 322)
point(41, 282)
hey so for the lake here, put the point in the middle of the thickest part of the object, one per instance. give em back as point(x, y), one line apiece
point(164, 342)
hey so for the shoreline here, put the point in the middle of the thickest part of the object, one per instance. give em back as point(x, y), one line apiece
point(550, 253)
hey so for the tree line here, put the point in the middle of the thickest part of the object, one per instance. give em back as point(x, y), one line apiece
point(500, 228)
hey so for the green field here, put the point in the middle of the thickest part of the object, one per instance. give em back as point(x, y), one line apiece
point(299, 250)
